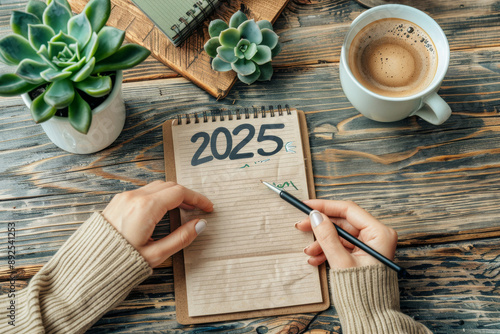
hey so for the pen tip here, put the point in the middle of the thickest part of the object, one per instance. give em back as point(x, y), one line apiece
point(270, 186)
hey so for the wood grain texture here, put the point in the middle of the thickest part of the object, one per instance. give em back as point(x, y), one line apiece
point(437, 186)
point(189, 59)
point(453, 288)
point(312, 31)
point(428, 184)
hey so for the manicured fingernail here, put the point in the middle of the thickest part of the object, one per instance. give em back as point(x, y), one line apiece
point(200, 226)
point(316, 218)
point(305, 249)
point(295, 225)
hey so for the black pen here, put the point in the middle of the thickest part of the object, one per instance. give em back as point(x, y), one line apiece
point(356, 242)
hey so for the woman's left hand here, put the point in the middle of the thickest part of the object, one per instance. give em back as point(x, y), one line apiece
point(135, 215)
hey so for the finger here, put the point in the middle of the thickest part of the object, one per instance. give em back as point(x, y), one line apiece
point(350, 247)
point(158, 251)
point(305, 226)
point(317, 260)
point(186, 206)
point(355, 215)
point(346, 226)
point(328, 239)
point(313, 249)
point(174, 196)
point(154, 186)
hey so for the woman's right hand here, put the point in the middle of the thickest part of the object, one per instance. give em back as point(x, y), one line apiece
point(356, 221)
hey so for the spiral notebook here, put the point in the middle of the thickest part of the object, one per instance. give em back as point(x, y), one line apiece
point(177, 19)
point(249, 262)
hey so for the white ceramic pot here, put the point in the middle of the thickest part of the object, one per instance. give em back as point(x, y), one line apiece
point(108, 120)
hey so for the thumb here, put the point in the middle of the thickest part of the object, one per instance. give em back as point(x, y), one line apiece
point(328, 239)
point(158, 251)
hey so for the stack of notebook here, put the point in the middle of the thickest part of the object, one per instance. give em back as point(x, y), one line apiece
point(168, 22)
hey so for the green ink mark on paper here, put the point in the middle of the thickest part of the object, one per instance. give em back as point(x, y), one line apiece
point(287, 184)
point(289, 147)
point(255, 163)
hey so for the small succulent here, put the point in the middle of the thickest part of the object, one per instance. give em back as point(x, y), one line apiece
point(244, 46)
point(72, 55)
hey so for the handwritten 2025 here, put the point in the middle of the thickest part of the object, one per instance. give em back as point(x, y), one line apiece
point(238, 151)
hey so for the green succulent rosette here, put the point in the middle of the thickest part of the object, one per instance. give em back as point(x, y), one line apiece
point(243, 45)
point(69, 54)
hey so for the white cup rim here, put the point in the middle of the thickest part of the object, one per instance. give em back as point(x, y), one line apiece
point(443, 59)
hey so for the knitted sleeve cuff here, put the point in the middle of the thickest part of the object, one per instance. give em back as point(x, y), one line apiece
point(367, 301)
point(90, 274)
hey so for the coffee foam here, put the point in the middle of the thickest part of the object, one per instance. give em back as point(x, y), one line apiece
point(393, 57)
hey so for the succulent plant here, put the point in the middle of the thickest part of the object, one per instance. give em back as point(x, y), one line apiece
point(72, 56)
point(243, 45)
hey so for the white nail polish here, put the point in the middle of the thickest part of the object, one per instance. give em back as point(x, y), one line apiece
point(200, 226)
point(316, 218)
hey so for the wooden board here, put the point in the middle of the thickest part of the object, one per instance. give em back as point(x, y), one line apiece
point(312, 32)
point(189, 59)
point(427, 182)
point(454, 289)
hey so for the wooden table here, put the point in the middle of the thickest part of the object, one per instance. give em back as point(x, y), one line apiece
point(438, 186)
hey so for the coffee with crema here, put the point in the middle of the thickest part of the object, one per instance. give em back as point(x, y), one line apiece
point(393, 57)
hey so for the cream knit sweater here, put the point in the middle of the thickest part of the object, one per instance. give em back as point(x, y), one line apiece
point(97, 268)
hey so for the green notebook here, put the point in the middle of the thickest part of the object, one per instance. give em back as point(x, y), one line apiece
point(177, 18)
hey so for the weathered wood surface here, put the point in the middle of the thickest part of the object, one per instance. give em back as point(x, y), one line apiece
point(439, 187)
point(407, 164)
point(453, 288)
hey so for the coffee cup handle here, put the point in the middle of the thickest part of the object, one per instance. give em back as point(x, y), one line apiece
point(434, 110)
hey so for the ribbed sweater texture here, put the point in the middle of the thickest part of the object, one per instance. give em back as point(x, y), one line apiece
point(367, 301)
point(92, 273)
point(96, 268)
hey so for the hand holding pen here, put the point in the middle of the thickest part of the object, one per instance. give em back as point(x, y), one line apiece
point(354, 220)
point(356, 248)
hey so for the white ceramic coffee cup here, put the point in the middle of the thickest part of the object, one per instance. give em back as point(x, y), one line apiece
point(426, 104)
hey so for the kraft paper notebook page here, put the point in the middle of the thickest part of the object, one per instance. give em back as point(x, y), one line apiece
point(177, 18)
point(249, 262)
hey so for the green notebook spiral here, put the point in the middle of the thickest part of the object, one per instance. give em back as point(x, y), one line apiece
point(177, 19)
